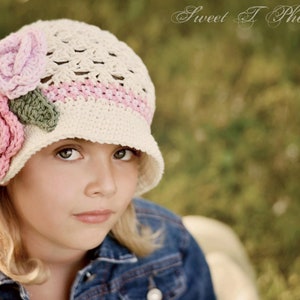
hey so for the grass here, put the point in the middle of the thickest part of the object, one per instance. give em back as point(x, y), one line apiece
point(227, 118)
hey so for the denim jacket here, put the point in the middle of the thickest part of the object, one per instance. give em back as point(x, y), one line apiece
point(177, 270)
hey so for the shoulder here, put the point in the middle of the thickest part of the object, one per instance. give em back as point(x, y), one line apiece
point(158, 218)
point(150, 213)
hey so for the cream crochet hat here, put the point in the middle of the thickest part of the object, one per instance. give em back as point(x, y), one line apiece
point(67, 79)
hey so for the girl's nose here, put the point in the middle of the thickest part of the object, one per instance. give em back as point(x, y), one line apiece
point(101, 180)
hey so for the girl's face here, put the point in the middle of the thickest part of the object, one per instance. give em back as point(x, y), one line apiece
point(71, 193)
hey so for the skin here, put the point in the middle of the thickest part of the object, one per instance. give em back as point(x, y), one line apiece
point(56, 195)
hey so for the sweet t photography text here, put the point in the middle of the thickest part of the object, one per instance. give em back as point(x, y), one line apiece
point(273, 17)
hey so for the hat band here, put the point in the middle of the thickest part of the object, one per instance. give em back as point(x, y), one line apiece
point(98, 90)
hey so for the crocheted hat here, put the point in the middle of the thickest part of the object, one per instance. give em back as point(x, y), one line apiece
point(67, 79)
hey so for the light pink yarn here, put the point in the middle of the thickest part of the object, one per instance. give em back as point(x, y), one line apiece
point(11, 135)
point(22, 62)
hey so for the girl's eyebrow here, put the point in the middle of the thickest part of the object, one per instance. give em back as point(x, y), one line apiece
point(65, 142)
point(72, 140)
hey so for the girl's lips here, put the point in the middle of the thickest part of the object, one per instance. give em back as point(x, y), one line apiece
point(94, 217)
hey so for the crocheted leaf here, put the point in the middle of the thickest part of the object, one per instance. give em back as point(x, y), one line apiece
point(34, 108)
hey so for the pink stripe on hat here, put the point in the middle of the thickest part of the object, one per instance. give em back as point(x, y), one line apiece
point(98, 90)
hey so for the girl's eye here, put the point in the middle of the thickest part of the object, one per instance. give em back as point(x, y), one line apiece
point(125, 154)
point(69, 154)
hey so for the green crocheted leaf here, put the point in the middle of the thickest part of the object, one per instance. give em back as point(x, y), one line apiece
point(34, 108)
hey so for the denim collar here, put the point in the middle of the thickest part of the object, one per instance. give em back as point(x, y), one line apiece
point(111, 251)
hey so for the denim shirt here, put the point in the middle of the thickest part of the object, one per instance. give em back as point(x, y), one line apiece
point(177, 270)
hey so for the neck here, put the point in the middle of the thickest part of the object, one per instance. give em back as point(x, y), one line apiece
point(63, 263)
point(63, 271)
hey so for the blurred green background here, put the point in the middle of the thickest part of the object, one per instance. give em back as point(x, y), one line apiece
point(227, 115)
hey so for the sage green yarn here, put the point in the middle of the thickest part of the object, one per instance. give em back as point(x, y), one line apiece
point(34, 108)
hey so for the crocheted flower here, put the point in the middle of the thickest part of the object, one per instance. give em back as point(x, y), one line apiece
point(22, 62)
point(11, 136)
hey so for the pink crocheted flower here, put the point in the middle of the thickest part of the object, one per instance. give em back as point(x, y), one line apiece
point(11, 136)
point(22, 62)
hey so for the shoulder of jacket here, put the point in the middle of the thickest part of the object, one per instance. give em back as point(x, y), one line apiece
point(150, 212)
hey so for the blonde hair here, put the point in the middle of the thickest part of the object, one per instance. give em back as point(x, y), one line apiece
point(16, 264)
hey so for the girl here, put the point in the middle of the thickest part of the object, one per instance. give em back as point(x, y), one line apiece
point(76, 106)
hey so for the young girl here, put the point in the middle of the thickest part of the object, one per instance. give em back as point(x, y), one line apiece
point(76, 106)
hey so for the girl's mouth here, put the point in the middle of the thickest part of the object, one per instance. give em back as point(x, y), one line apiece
point(94, 216)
